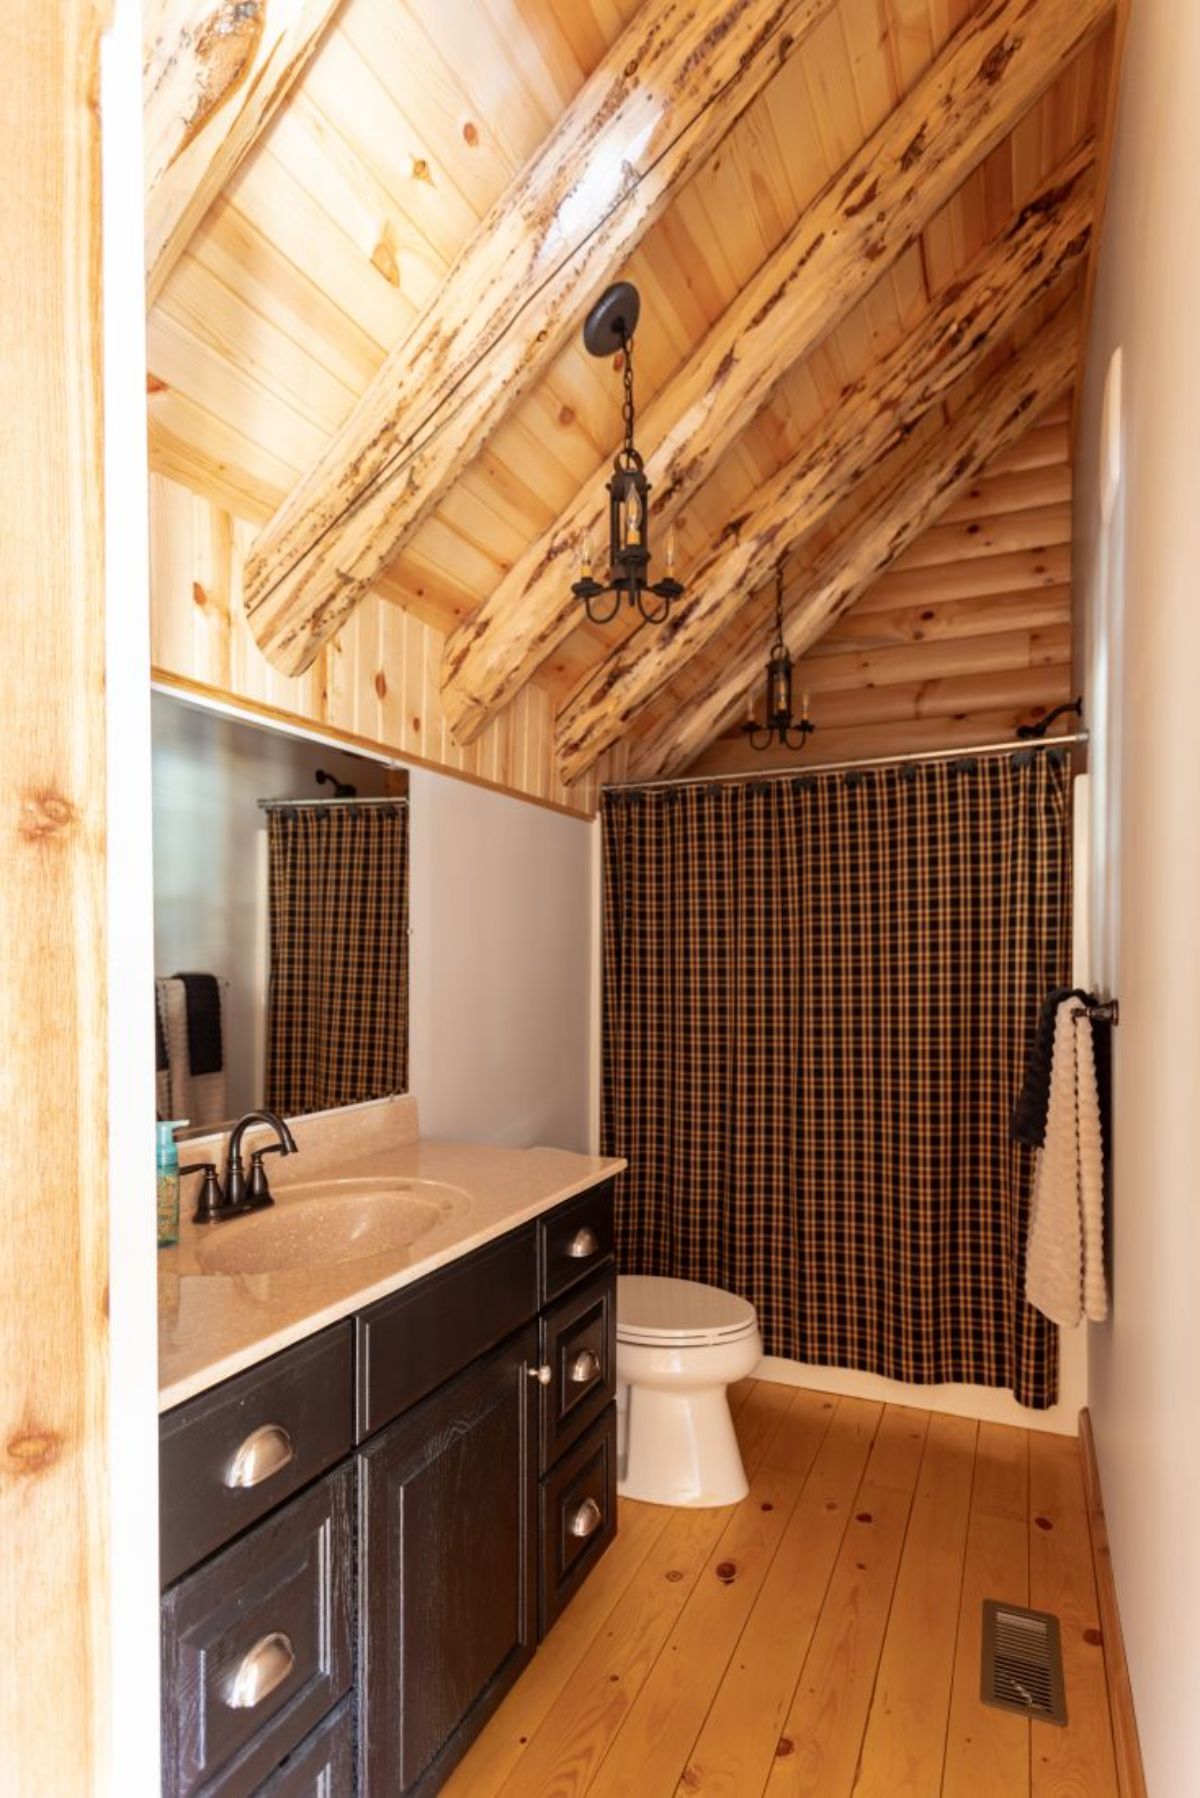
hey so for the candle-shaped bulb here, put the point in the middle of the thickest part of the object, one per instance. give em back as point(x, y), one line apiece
point(804, 707)
point(633, 515)
point(585, 556)
point(671, 550)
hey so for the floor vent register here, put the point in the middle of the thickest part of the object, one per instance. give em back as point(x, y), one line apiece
point(1022, 1662)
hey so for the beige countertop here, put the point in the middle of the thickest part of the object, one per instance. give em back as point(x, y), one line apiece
point(212, 1325)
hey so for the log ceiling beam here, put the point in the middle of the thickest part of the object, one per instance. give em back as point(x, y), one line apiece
point(662, 99)
point(990, 73)
point(1047, 239)
point(214, 74)
point(912, 500)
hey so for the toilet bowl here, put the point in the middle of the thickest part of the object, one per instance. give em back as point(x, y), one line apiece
point(679, 1345)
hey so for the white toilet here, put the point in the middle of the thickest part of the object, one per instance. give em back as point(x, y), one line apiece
point(679, 1345)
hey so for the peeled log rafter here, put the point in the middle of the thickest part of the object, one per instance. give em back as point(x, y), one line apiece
point(968, 320)
point(214, 74)
point(989, 74)
point(912, 500)
point(662, 99)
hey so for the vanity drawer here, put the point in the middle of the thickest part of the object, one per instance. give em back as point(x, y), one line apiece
point(411, 1343)
point(232, 1454)
point(579, 1514)
point(323, 1765)
point(257, 1645)
point(575, 1238)
point(579, 1345)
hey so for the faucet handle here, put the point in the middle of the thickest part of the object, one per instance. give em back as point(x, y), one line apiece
point(210, 1205)
point(258, 1193)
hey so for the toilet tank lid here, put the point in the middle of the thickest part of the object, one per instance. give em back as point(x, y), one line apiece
point(650, 1305)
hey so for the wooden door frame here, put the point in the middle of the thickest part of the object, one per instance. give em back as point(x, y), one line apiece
point(78, 1498)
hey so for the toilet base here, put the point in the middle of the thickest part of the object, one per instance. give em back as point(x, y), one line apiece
point(680, 1448)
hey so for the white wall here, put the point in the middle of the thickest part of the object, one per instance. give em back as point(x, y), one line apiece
point(1139, 579)
point(500, 1033)
point(210, 771)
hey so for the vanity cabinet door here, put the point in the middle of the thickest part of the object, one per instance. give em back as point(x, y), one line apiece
point(448, 1569)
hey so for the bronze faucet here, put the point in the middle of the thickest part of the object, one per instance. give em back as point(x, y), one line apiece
point(241, 1194)
point(254, 1194)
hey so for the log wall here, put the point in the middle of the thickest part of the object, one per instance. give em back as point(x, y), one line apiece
point(965, 637)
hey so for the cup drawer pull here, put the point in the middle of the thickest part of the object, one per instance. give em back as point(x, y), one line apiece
point(261, 1670)
point(265, 1452)
point(585, 1242)
point(586, 1519)
point(585, 1368)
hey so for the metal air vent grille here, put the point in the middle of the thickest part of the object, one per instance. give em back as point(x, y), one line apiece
point(1022, 1662)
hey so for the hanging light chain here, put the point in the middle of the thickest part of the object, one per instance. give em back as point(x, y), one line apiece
point(627, 407)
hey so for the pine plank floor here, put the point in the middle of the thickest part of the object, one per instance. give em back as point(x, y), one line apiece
point(822, 1637)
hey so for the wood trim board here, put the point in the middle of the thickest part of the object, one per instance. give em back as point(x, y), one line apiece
point(1131, 1779)
point(55, 1592)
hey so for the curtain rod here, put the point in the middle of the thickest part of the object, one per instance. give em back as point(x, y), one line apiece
point(291, 805)
point(866, 761)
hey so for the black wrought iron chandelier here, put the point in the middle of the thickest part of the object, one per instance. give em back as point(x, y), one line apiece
point(609, 329)
point(780, 727)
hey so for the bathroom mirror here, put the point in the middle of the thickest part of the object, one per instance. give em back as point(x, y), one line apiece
point(280, 930)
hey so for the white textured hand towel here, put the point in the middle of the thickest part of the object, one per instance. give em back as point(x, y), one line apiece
point(200, 1098)
point(1064, 1264)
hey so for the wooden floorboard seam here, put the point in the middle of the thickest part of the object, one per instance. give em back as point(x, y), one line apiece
point(801, 1487)
point(763, 1472)
point(664, 1648)
point(858, 1766)
point(958, 1616)
point(871, 1488)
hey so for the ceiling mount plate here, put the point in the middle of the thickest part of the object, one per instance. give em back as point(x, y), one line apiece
point(612, 319)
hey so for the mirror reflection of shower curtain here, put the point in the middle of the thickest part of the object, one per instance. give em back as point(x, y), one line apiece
point(337, 1026)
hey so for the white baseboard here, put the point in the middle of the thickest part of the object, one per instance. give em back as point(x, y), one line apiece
point(988, 1403)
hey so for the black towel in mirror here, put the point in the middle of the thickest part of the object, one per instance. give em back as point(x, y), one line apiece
point(203, 998)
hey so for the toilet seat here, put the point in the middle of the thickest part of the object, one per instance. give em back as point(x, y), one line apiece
point(657, 1312)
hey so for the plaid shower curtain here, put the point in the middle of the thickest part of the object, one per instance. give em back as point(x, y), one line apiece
point(818, 995)
point(337, 1026)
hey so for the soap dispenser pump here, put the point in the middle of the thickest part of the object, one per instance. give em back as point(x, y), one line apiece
point(166, 1172)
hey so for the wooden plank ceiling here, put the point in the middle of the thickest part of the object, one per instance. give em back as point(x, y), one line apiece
point(331, 241)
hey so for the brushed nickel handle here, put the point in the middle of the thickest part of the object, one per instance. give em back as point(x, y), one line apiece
point(586, 1520)
point(262, 1668)
point(585, 1242)
point(265, 1452)
point(543, 1375)
point(585, 1367)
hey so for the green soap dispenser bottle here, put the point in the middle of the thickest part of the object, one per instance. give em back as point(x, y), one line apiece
point(166, 1169)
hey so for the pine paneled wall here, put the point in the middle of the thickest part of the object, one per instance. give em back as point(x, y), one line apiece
point(376, 683)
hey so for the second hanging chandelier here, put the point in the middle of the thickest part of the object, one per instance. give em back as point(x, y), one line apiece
point(609, 330)
point(780, 727)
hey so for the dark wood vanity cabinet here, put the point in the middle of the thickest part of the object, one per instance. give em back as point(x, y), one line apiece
point(448, 1524)
point(349, 1628)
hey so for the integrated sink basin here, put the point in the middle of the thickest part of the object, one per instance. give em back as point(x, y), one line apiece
point(326, 1223)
